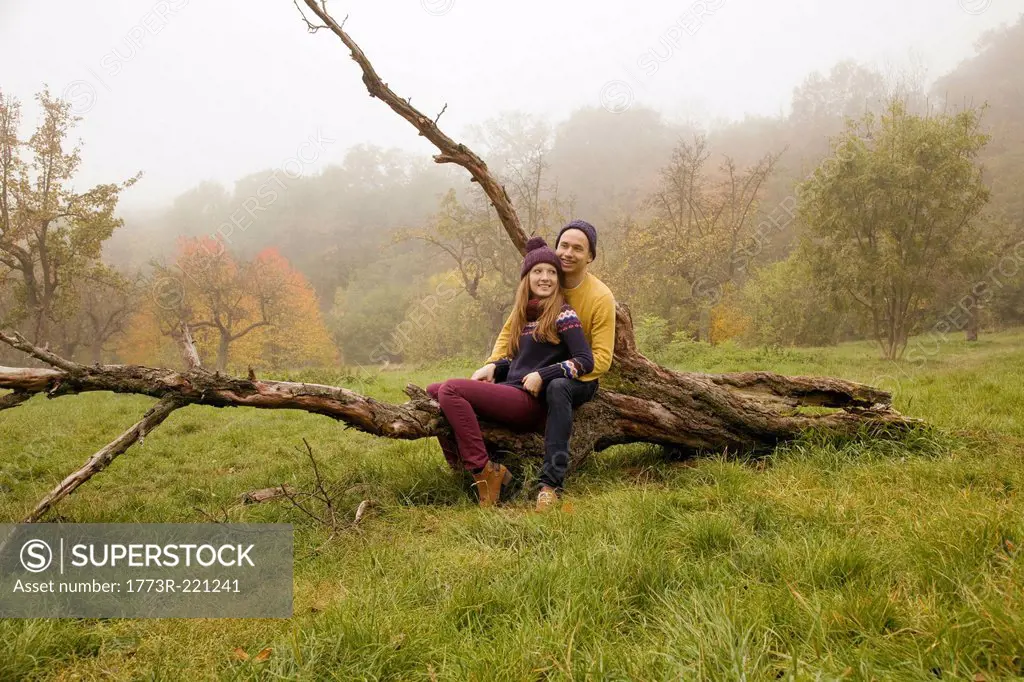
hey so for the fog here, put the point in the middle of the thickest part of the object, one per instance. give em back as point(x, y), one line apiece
point(186, 90)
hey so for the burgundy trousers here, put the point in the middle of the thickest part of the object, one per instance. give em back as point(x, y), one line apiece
point(465, 402)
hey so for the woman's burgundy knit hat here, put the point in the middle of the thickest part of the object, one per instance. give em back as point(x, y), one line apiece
point(538, 251)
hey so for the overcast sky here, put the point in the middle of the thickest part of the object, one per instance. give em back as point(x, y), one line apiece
point(187, 90)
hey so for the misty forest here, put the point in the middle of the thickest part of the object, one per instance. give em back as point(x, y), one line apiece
point(804, 462)
point(747, 234)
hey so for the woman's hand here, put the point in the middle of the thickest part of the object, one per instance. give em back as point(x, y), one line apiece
point(533, 383)
point(485, 373)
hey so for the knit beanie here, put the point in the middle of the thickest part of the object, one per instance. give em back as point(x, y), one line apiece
point(587, 229)
point(538, 251)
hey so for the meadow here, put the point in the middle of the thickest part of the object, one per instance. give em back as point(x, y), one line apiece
point(828, 559)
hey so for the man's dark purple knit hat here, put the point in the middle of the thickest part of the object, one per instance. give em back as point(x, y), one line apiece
point(587, 229)
point(538, 251)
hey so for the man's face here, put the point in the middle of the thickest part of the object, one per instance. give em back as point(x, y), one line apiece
point(573, 250)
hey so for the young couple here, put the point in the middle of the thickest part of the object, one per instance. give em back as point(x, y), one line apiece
point(557, 341)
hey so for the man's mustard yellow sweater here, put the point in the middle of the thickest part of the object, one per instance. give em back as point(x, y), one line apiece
point(595, 306)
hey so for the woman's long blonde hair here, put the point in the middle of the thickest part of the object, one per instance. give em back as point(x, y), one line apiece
point(547, 321)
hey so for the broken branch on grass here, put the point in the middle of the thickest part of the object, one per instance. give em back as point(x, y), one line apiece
point(265, 494)
point(361, 510)
point(103, 457)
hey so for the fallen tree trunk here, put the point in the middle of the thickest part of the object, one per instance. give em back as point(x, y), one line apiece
point(639, 401)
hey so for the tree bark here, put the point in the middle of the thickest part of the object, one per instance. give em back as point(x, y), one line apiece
point(222, 351)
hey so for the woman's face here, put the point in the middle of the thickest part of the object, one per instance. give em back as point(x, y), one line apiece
point(543, 280)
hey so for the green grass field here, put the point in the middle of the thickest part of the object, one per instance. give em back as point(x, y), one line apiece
point(826, 560)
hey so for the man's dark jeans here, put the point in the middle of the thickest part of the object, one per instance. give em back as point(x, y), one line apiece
point(562, 395)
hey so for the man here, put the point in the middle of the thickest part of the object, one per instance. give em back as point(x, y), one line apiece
point(594, 304)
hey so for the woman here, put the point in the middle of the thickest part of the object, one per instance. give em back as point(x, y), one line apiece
point(547, 342)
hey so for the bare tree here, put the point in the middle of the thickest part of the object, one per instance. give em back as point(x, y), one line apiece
point(106, 301)
point(702, 229)
point(520, 145)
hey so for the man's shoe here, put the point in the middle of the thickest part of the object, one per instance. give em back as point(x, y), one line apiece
point(489, 481)
point(546, 498)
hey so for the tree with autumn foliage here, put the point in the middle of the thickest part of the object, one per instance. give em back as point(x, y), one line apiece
point(219, 297)
point(700, 237)
point(300, 338)
point(50, 235)
point(260, 312)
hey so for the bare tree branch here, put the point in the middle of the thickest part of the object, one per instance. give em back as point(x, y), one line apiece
point(102, 459)
point(451, 151)
point(188, 348)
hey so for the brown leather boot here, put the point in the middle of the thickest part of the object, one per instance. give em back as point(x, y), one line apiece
point(546, 498)
point(489, 481)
